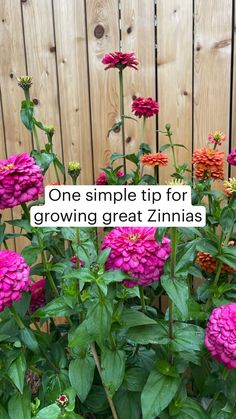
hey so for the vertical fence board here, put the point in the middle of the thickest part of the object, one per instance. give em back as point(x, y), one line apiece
point(73, 84)
point(40, 53)
point(212, 58)
point(233, 140)
point(138, 35)
point(103, 37)
point(13, 65)
point(174, 52)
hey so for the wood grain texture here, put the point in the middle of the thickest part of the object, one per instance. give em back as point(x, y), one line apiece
point(17, 138)
point(40, 54)
point(174, 60)
point(138, 35)
point(71, 53)
point(212, 56)
point(104, 89)
point(233, 139)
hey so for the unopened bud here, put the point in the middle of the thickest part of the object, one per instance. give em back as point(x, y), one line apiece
point(74, 170)
point(25, 82)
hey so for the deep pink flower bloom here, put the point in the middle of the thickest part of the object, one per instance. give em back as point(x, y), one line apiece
point(37, 295)
point(135, 250)
point(14, 277)
point(102, 177)
point(120, 60)
point(20, 180)
point(220, 336)
point(145, 107)
point(231, 158)
point(74, 260)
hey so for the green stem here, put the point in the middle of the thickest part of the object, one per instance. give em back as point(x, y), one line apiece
point(35, 135)
point(5, 244)
point(169, 134)
point(142, 298)
point(143, 129)
point(56, 173)
point(97, 363)
point(17, 318)
point(174, 241)
point(122, 112)
point(26, 211)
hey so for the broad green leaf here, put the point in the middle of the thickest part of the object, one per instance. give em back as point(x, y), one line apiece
point(228, 259)
point(43, 159)
point(208, 246)
point(132, 318)
point(135, 379)
point(17, 370)
point(2, 230)
point(177, 290)
point(24, 224)
point(80, 337)
point(127, 404)
point(158, 393)
point(113, 369)
point(56, 308)
point(190, 409)
point(103, 256)
point(99, 317)
point(30, 254)
point(186, 257)
point(81, 372)
point(84, 274)
point(3, 413)
point(26, 114)
point(50, 412)
point(227, 219)
point(68, 233)
point(19, 405)
point(188, 337)
point(114, 276)
point(151, 333)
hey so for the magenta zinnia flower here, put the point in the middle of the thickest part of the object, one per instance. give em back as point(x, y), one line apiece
point(135, 250)
point(20, 180)
point(120, 60)
point(231, 158)
point(102, 177)
point(37, 295)
point(220, 337)
point(145, 107)
point(14, 277)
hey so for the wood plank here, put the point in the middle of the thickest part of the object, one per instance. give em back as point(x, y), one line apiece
point(73, 84)
point(233, 139)
point(40, 54)
point(212, 59)
point(175, 77)
point(103, 37)
point(18, 140)
point(138, 35)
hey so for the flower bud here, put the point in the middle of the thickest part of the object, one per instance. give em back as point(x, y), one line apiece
point(167, 127)
point(62, 400)
point(25, 82)
point(74, 170)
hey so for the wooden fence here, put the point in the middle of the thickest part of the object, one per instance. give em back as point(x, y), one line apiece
point(187, 61)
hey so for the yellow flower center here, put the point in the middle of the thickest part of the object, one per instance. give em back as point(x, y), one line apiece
point(134, 237)
point(7, 167)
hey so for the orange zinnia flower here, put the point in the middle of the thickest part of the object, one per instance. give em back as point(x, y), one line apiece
point(209, 263)
point(208, 163)
point(156, 159)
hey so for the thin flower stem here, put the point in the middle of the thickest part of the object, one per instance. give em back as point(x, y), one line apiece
point(26, 211)
point(143, 129)
point(56, 173)
point(169, 135)
point(17, 318)
point(122, 113)
point(142, 298)
point(97, 363)
point(174, 240)
point(35, 135)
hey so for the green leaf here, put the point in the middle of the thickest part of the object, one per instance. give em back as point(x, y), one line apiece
point(164, 147)
point(24, 224)
point(144, 148)
point(156, 334)
point(133, 158)
point(113, 369)
point(30, 254)
point(84, 274)
point(189, 409)
point(80, 337)
point(81, 372)
point(116, 156)
point(26, 114)
point(127, 404)
point(159, 234)
point(135, 379)
point(186, 257)
point(102, 258)
point(114, 276)
point(50, 412)
point(99, 317)
point(16, 372)
point(19, 405)
point(2, 230)
point(177, 290)
point(188, 337)
point(115, 127)
point(130, 117)
point(68, 233)
point(165, 368)
point(3, 413)
point(158, 393)
point(227, 219)
point(228, 259)
point(147, 180)
point(43, 159)
point(132, 318)
point(56, 308)
point(29, 339)
point(208, 246)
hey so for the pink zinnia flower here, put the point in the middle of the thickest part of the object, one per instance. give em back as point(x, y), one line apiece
point(20, 180)
point(14, 277)
point(216, 137)
point(37, 295)
point(75, 260)
point(102, 177)
point(135, 250)
point(145, 107)
point(120, 60)
point(231, 158)
point(220, 336)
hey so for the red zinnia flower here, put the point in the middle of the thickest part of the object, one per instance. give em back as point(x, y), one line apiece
point(145, 107)
point(120, 60)
point(102, 177)
point(37, 295)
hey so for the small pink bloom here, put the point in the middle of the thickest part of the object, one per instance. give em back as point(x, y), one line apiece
point(135, 250)
point(220, 336)
point(21, 180)
point(102, 177)
point(37, 295)
point(216, 137)
point(74, 260)
point(14, 277)
point(120, 60)
point(145, 107)
point(231, 158)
